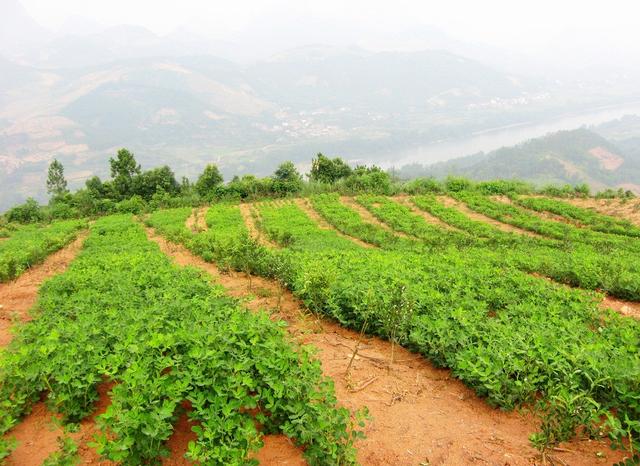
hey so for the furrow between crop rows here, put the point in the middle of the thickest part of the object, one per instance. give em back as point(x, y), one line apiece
point(165, 336)
point(396, 405)
point(451, 202)
point(306, 206)
point(18, 297)
point(252, 220)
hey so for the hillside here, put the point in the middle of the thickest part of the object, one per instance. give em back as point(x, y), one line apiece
point(187, 111)
point(624, 133)
point(577, 156)
point(83, 92)
point(78, 97)
point(393, 323)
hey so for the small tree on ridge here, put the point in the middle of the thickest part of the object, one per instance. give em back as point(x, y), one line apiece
point(56, 183)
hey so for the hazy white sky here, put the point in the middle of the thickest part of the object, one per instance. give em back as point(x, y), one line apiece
point(506, 23)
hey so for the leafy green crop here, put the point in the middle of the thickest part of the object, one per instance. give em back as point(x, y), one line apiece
point(584, 217)
point(307, 234)
point(225, 222)
point(349, 222)
point(510, 336)
point(459, 220)
point(401, 218)
point(519, 217)
point(615, 271)
point(123, 313)
point(6, 447)
point(66, 455)
point(31, 244)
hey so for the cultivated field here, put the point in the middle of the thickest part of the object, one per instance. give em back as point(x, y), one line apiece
point(458, 329)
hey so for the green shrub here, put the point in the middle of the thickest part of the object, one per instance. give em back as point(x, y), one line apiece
point(133, 205)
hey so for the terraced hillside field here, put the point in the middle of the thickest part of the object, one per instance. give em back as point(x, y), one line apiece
point(471, 329)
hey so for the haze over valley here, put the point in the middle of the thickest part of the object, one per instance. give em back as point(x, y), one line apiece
point(251, 99)
point(324, 233)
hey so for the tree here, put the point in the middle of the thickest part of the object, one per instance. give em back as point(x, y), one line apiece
point(56, 184)
point(123, 168)
point(249, 187)
point(29, 212)
point(95, 187)
point(153, 181)
point(457, 183)
point(287, 171)
point(286, 179)
point(369, 179)
point(209, 179)
point(325, 170)
point(185, 185)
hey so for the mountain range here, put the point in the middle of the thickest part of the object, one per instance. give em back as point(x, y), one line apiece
point(79, 97)
point(605, 156)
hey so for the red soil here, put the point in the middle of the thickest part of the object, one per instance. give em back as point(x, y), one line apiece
point(197, 221)
point(18, 296)
point(450, 202)
point(608, 160)
point(38, 432)
point(420, 414)
point(306, 206)
point(629, 210)
point(247, 211)
point(626, 308)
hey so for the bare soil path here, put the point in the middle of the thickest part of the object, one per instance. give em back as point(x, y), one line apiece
point(626, 308)
point(420, 414)
point(369, 217)
point(248, 211)
point(472, 214)
point(308, 209)
point(197, 221)
point(629, 210)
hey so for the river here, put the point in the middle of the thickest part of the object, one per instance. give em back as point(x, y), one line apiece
point(489, 140)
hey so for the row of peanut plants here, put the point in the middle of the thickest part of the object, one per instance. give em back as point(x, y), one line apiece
point(512, 337)
point(576, 264)
point(31, 244)
point(521, 218)
point(614, 271)
point(163, 335)
point(584, 217)
point(568, 404)
point(347, 221)
point(579, 264)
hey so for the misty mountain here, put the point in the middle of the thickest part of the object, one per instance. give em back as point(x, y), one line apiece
point(18, 31)
point(624, 133)
point(187, 111)
point(111, 44)
point(79, 97)
point(577, 156)
point(321, 76)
